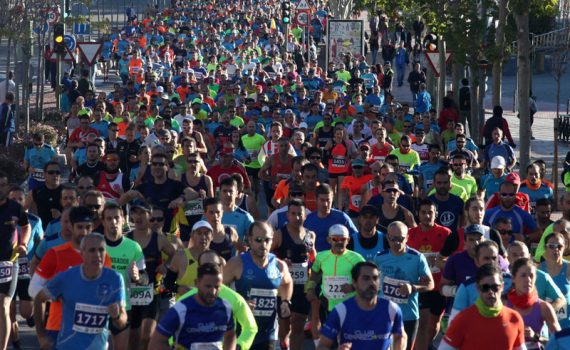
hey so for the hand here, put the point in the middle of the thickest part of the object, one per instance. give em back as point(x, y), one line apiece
point(22, 250)
point(252, 303)
point(133, 158)
point(345, 346)
point(55, 213)
point(45, 342)
point(528, 333)
point(203, 194)
point(114, 310)
point(405, 289)
point(285, 310)
point(346, 288)
point(178, 202)
point(134, 272)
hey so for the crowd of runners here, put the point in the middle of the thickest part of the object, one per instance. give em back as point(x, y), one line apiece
point(231, 193)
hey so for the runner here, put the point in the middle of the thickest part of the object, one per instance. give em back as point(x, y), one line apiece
point(225, 240)
point(405, 273)
point(264, 281)
point(372, 319)
point(90, 295)
point(296, 246)
point(369, 241)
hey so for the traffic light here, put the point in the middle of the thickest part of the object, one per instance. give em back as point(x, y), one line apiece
point(430, 43)
point(58, 40)
point(286, 12)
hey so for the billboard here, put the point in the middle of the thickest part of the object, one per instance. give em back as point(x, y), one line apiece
point(344, 36)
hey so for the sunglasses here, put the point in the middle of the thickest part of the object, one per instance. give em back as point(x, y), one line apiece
point(261, 239)
point(156, 219)
point(487, 287)
point(554, 246)
point(85, 187)
point(54, 172)
point(158, 164)
point(315, 158)
point(94, 206)
point(396, 239)
point(339, 239)
point(506, 232)
point(508, 194)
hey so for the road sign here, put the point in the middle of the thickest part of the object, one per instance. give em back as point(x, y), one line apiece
point(42, 29)
point(53, 16)
point(81, 28)
point(68, 57)
point(70, 42)
point(302, 19)
point(303, 6)
point(433, 59)
point(90, 51)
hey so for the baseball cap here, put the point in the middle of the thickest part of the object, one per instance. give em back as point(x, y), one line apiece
point(164, 97)
point(338, 230)
point(513, 178)
point(202, 223)
point(139, 203)
point(80, 214)
point(364, 144)
point(160, 89)
point(265, 109)
point(498, 162)
point(475, 229)
point(303, 125)
point(357, 162)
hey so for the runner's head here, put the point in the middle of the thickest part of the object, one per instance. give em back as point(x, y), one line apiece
point(475, 210)
point(113, 220)
point(442, 181)
point(140, 214)
point(260, 237)
point(428, 212)
point(390, 192)
point(201, 236)
point(487, 252)
point(208, 282)
point(17, 194)
point(324, 199)
point(309, 172)
point(489, 280)
point(296, 212)
point(69, 197)
point(52, 171)
point(156, 219)
point(228, 192)
point(366, 280)
point(338, 238)
point(81, 219)
point(474, 234)
point(517, 250)
point(368, 218)
point(555, 244)
point(211, 257)
point(92, 248)
point(95, 201)
point(397, 237)
point(523, 272)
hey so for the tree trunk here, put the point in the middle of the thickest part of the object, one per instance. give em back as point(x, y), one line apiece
point(475, 126)
point(8, 62)
point(498, 63)
point(523, 77)
point(456, 76)
point(442, 76)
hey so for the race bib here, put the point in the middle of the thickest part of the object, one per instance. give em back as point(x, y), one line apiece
point(265, 301)
point(206, 346)
point(380, 158)
point(333, 286)
point(141, 295)
point(90, 319)
point(375, 109)
point(339, 161)
point(431, 259)
point(6, 269)
point(283, 176)
point(391, 290)
point(38, 174)
point(23, 268)
point(562, 313)
point(299, 272)
point(355, 200)
point(194, 207)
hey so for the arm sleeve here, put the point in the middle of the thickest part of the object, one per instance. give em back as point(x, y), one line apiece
point(37, 283)
point(244, 316)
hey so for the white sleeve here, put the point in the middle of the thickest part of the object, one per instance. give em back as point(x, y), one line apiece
point(37, 283)
point(272, 220)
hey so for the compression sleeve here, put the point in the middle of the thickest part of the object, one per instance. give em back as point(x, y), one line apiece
point(37, 283)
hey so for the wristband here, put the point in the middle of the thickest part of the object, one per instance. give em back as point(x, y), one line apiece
point(448, 291)
point(310, 285)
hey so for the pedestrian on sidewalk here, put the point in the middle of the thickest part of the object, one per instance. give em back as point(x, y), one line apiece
point(497, 121)
point(7, 124)
point(415, 79)
point(402, 61)
point(464, 101)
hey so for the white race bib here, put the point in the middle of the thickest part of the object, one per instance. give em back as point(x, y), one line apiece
point(265, 301)
point(431, 257)
point(38, 174)
point(391, 290)
point(23, 268)
point(141, 295)
point(6, 269)
point(562, 313)
point(333, 286)
point(355, 200)
point(194, 207)
point(299, 272)
point(90, 319)
point(206, 346)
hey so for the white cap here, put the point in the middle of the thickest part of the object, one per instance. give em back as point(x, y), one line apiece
point(200, 224)
point(338, 230)
point(303, 125)
point(160, 89)
point(498, 162)
point(265, 109)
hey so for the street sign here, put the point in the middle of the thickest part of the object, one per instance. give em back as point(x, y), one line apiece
point(81, 28)
point(90, 51)
point(41, 29)
point(68, 57)
point(302, 19)
point(303, 6)
point(70, 42)
point(433, 59)
point(53, 16)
